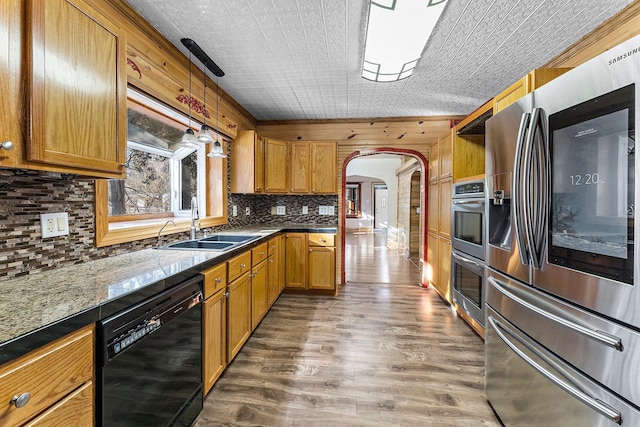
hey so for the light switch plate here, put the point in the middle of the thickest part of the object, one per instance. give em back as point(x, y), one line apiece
point(248, 210)
point(281, 210)
point(54, 224)
point(305, 210)
point(234, 210)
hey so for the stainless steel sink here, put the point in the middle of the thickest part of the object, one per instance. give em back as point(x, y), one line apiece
point(239, 238)
point(217, 242)
point(198, 244)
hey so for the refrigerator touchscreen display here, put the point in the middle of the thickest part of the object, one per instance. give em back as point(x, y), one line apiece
point(592, 184)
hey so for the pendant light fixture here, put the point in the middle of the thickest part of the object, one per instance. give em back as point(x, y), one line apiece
point(189, 139)
point(216, 150)
point(204, 136)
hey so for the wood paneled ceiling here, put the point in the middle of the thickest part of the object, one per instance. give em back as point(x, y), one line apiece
point(301, 59)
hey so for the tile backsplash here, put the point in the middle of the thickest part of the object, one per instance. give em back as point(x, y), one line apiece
point(25, 195)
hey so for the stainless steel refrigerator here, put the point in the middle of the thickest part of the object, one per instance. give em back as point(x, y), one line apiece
point(563, 294)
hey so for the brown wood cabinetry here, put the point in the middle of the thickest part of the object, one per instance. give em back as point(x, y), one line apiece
point(299, 167)
point(323, 167)
point(275, 269)
point(59, 379)
point(310, 262)
point(247, 165)
point(433, 217)
point(214, 325)
point(275, 171)
point(75, 80)
point(433, 267)
point(444, 271)
point(444, 212)
point(259, 293)
point(238, 314)
point(525, 85)
point(445, 156)
point(434, 167)
point(295, 245)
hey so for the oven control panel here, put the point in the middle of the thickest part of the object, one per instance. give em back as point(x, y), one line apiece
point(469, 189)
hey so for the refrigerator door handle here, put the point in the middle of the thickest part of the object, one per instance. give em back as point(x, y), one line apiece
point(517, 189)
point(594, 403)
point(538, 179)
point(601, 337)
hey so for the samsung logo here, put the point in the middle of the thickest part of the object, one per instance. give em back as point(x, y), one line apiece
point(623, 56)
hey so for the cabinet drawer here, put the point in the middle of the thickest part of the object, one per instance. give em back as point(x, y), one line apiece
point(322, 239)
point(48, 374)
point(74, 410)
point(238, 265)
point(215, 278)
point(259, 254)
point(274, 245)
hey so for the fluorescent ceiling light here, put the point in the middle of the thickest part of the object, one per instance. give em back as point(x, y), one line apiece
point(397, 32)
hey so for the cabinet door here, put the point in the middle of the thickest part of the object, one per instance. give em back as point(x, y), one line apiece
point(322, 268)
point(433, 268)
point(214, 333)
point(296, 260)
point(433, 207)
point(299, 171)
point(445, 207)
point(445, 150)
point(11, 121)
point(273, 278)
point(511, 94)
point(275, 170)
point(323, 167)
point(259, 294)
point(243, 152)
point(258, 165)
point(77, 87)
point(74, 410)
point(238, 315)
point(434, 162)
point(444, 261)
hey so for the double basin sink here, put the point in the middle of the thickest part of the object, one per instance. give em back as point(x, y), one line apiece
point(217, 242)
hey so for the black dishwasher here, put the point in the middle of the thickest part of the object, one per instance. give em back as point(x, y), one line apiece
point(151, 370)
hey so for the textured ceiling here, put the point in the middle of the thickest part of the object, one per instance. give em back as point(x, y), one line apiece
point(301, 59)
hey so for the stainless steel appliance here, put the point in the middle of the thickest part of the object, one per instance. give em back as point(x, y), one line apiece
point(468, 247)
point(467, 218)
point(563, 302)
point(151, 372)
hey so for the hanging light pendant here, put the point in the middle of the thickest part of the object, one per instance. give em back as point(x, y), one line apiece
point(189, 139)
point(216, 150)
point(204, 136)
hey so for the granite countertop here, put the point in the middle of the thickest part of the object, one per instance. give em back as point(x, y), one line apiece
point(37, 308)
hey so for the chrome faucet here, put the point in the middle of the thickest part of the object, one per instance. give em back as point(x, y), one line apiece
point(194, 216)
point(162, 228)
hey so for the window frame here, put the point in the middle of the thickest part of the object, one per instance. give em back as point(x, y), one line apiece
point(358, 187)
point(212, 190)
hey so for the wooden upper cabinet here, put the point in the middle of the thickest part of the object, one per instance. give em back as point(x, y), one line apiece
point(77, 87)
point(323, 167)
point(525, 85)
point(445, 151)
point(433, 206)
point(444, 214)
point(299, 170)
point(434, 167)
point(10, 42)
point(247, 163)
point(275, 161)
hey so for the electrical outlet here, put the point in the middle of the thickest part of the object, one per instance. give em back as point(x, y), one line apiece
point(54, 224)
point(281, 210)
point(234, 210)
point(322, 210)
point(247, 210)
point(305, 210)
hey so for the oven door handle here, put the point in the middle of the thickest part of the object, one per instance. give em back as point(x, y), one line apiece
point(594, 403)
point(468, 202)
point(463, 259)
point(604, 338)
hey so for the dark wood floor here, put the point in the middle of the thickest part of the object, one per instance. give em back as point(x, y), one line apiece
point(383, 353)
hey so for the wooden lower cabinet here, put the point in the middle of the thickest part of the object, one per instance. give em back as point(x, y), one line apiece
point(259, 293)
point(295, 260)
point(57, 376)
point(432, 259)
point(322, 268)
point(238, 314)
point(444, 273)
point(214, 338)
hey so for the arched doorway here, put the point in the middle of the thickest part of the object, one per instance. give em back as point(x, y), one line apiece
point(420, 164)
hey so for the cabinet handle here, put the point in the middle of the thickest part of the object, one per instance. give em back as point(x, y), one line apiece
point(218, 280)
point(310, 250)
point(243, 266)
point(266, 189)
point(261, 253)
point(271, 261)
point(226, 294)
point(21, 400)
point(6, 145)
